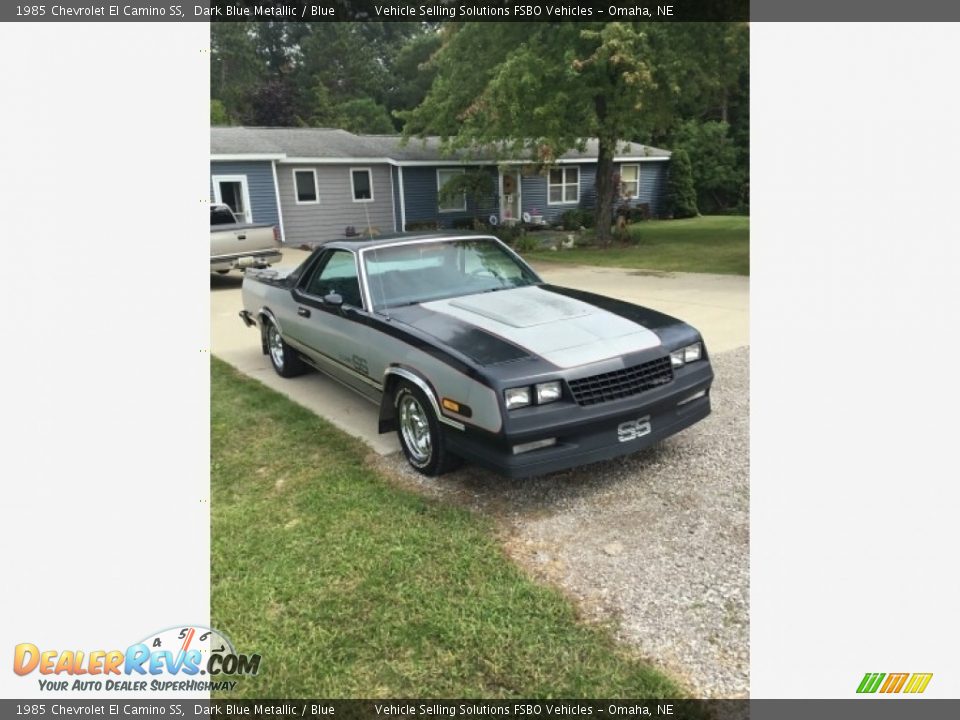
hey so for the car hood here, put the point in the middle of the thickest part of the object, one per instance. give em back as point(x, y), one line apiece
point(563, 330)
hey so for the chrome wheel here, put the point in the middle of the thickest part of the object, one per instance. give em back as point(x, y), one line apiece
point(415, 428)
point(275, 345)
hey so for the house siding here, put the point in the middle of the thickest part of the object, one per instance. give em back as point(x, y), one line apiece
point(420, 190)
point(533, 190)
point(328, 219)
point(652, 190)
point(653, 185)
point(259, 174)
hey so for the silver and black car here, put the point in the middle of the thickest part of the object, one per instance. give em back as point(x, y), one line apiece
point(470, 355)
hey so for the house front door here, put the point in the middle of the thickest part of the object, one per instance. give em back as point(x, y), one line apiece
point(509, 197)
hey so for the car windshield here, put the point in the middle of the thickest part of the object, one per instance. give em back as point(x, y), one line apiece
point(423, 271)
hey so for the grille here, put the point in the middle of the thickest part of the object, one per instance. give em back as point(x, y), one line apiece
point(622, 383)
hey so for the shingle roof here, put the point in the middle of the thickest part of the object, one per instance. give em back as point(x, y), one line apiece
point(333, 144)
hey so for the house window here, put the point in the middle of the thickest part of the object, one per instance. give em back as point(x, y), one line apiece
point(454, 204)
point(305, 187)
point(361, 183)
point(563, 185)
point(231, 190)
point(630, 181)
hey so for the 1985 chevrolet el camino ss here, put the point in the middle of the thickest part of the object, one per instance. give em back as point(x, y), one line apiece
point(469, 354)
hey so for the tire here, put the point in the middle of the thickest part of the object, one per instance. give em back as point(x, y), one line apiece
point(419, 432)
point(284, 358)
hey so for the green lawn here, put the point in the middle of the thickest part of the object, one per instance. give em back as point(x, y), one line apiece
point(709, 244)
point(350, 587)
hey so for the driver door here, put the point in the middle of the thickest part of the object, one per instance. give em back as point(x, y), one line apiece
point(328, 325)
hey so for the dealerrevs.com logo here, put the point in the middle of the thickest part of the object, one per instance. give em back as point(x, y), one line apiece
point(182, 659)
point(911, 683)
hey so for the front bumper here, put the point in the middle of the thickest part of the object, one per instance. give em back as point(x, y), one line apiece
point(585, 437)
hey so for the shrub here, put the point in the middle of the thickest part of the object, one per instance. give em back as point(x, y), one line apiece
point(640, 212)
point(681, 194)
point(515, 235)
point(524, 243)
point(576, 219)
point(422, 225)
point(463, 224)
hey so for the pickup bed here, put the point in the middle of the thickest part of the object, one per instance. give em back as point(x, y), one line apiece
point(240, 245)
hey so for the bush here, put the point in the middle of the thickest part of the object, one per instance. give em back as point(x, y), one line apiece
point(640, 212)
point(633, 214)
point(681, 194)
point(576, 219)
point(515, 235)
point(463, 224)
point(524, 244)
point(422, 225)
point(716, 166)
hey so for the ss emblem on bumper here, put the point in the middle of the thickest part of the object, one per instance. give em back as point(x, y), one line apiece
point(633, 429)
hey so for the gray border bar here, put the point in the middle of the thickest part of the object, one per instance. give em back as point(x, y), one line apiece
point(485, 10)
point(364, 10)
point(874, 708)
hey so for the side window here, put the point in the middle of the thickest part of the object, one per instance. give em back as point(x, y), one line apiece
point(305, 187)
point(337, 274)
point(361, 184)
point(221, 216)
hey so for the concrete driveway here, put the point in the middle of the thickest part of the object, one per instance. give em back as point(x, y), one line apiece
point(717, 305)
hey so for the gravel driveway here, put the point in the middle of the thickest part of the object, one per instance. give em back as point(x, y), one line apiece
point(657, 543)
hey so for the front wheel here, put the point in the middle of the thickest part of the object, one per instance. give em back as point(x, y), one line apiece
point(419, 432)
point(283, 358)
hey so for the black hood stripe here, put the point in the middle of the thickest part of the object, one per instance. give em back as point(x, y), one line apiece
point(650, 319)
point(672, 332)
point(484, 347)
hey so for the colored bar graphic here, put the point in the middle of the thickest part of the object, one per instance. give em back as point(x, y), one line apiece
point(894, 682)
point(918, 682)
point(870, 682)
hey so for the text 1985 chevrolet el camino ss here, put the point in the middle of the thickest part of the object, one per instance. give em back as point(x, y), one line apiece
point(469, 354)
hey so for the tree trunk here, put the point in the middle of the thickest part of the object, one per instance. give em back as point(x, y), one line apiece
point(605, 191)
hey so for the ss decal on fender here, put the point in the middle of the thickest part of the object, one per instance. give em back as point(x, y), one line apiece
point(633, 429)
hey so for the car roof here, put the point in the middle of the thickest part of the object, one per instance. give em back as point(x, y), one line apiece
point(394, 238)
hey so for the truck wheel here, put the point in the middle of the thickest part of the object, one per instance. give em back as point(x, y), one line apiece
point(419, 432)
point(283, 357)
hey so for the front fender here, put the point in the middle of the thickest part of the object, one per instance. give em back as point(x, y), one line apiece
point(391, 376)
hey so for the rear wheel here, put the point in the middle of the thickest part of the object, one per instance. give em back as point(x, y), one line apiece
point(283, 358)
point(419, 432)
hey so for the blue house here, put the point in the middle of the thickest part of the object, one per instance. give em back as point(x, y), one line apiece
point(319, 183)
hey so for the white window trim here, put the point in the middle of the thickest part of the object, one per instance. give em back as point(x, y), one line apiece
point(463, 207)
point(244, 188)
point(353, 192)
point(636, 194)
point(316, 188)
point(563, 185)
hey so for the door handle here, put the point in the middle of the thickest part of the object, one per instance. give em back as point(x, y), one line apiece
point(242, 236)
point(303, 312)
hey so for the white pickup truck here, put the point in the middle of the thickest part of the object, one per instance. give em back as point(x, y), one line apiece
point(239, 245)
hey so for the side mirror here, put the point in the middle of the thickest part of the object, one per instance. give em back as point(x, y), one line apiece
point(333, 298)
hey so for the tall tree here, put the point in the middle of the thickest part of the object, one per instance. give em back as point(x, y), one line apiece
point(541, 89)
point(235, 66)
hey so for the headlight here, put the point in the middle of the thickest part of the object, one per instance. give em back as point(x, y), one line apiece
point(548, 392)
point(690, 353)
point(516, 397)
